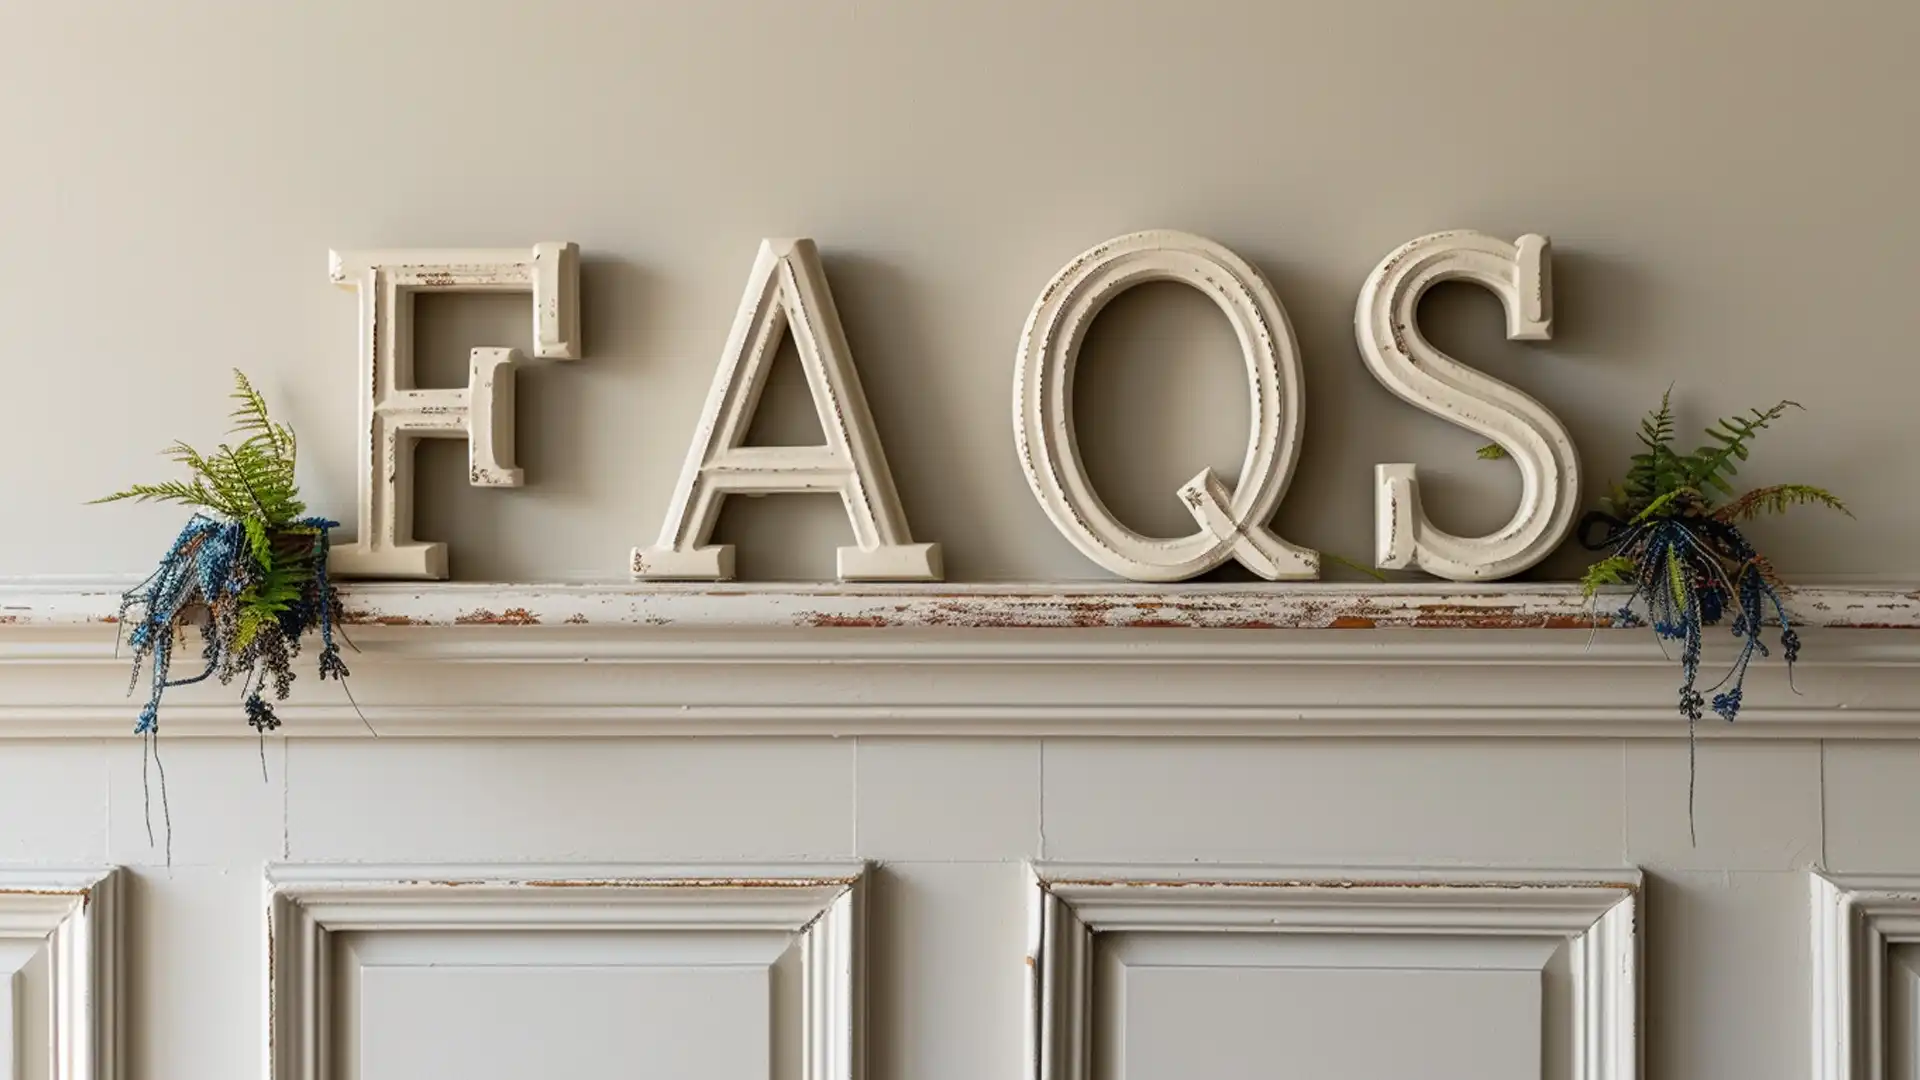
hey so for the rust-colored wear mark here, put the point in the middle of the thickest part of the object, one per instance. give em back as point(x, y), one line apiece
point(509, 617)
point(853, 622)
point(576, 619)
point(374, 618)
point(5, 619)
point(691, 883)
point(84, 894)
point(1451, 617)
point(1351, 622)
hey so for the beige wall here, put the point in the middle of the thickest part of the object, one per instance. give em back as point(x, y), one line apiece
point(1728, 184)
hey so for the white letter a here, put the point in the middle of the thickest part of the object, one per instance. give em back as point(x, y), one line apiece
point(787, 291)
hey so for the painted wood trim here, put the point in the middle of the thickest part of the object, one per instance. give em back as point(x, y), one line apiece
point(819, 903)
point(883, 606)
point(1855, 919)
point(918, 660)
point(79, 914)
point(1596, 911)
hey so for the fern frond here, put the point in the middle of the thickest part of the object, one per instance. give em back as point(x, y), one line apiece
point(247, 626)
point(176, 491)
point(1661, 502)
point(1657, 470)
point(250, 418)
point(1612, 570)
point(254, 480)
point(1712, 465)
point(1493, 451)
point(1778, 499)
point(1656, 430)
point(259, 544)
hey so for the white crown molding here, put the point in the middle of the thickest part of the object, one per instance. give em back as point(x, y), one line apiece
point(1856, 918)
point(1595, 911)
point(76, 914)
point(1279, 660)
point(820, 904)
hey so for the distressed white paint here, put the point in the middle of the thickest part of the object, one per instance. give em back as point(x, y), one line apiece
point(787, 294)
point(74, 916)
point(29, 606)
point(1592, 912)
point(1386, 324)
point(394, 413)
point(1443, 660)
point(1857, 919)
point(1232, 524)
point(814, 909)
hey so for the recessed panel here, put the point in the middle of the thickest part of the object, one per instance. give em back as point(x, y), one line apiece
point(494, 1023)
point(1251, 1023)
point(25, 1011)
point(509, 1005)
point(1903, 1012)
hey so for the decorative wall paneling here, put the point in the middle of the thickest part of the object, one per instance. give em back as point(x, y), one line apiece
point(1074, 908)
point(1858, 922)
point(314, 913)
point(73, 918)
point(451, 660)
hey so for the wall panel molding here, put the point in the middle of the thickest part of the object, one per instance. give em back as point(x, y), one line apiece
point(76, 915)
point(820, 905)
point(1596, 912)
point(1856, 920)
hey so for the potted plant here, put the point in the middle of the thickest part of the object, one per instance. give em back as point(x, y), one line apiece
point(1671, 532)
point(249, 570)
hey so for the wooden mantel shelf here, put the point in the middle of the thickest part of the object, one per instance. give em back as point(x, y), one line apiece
point(1078, 605)
point(1317, 660)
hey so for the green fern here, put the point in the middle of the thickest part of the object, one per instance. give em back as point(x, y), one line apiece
point(1612, 570)
point(1493, 451)
point(1661, 479)
point(1711, 465)
point(1661, 502)
point(1657, 470)
point(250, 482)
point(1778, 499)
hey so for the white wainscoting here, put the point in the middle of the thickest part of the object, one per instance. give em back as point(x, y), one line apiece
point(950, 760)
point(60, 955)
point(1545, 964)
point(688, 973)
point(1866, 986)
